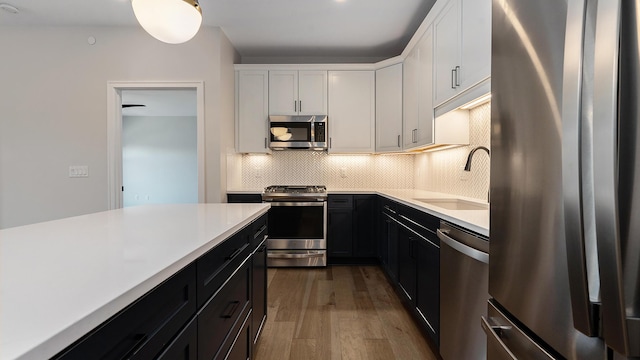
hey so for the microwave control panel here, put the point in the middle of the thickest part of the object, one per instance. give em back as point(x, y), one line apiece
point(320, 133)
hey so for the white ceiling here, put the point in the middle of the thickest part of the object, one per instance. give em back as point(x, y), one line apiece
point(262, 28)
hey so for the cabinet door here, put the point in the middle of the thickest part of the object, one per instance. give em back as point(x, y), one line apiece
point(410, 98)
point(389, 108)
point(184, 346)
point(352, 112)
point(446, 29)
point(428, 290)
point(424, 135)
point(406, 263)
point(364, 214)
point(312, 92)
point(340, 232)
point(253, 111)
point(259, 292)
point(283, 92)
point(476, 42)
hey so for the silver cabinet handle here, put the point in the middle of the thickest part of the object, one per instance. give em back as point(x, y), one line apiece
point(492, 332)
point(265, 143)
point(464, 249)
point(398, 140)
point(330, 142)
point(457, 76)
point(453, 77)
point(300, 105)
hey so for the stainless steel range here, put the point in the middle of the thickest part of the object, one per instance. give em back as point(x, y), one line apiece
point(297, 225)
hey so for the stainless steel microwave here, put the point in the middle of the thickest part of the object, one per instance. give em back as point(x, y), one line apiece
point(302, 132)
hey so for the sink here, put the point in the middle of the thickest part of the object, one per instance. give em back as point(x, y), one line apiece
point(454, 204)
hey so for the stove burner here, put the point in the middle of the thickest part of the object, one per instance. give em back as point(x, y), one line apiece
point(294, 192)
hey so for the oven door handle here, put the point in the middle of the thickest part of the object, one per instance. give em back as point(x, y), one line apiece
point(296, 203)
point(310, 254)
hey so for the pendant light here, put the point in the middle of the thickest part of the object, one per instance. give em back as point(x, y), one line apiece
point(170, 21)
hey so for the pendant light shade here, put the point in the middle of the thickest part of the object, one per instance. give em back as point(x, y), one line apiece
point(170, 21)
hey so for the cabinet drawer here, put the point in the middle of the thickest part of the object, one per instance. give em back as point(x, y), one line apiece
point(217, 318)
point(421, 222)
point(340, 201)
point(258, 231)
point(184, 346)
point(144, 328)
point(216, 266)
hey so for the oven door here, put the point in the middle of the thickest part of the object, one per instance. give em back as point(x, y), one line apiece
point(297, 225)
point(297, 234)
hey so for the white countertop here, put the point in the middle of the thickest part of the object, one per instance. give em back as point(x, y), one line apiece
point(474, 220)
point(60, 279)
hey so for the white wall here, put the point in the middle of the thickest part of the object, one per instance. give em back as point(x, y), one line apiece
point(159, 160)
point(53, 110)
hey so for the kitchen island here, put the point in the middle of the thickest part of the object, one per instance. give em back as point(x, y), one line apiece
point(61, 279)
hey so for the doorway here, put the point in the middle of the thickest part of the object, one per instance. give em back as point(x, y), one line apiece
point(156, 143)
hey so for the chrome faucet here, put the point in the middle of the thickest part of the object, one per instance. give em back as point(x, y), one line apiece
point(467, 166)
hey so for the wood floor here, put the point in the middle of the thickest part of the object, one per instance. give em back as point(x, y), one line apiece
point(337, 312)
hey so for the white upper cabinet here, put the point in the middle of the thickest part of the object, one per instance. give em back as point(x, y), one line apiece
point(293, 92)
point(418, 94)
point(389, 109)
point(252, 111)
point(351, 119)
point(462, 47)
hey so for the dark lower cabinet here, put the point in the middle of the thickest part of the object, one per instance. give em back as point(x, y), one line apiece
point(241, 349)
point(204, 311)
point(228, 307)
point(427, 293)
point(184, 346)
point(409, 252)
point(351, 231)
point(259, 295)
point(364, 244)
point(407, 263)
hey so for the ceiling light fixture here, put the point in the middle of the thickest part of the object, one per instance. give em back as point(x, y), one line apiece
point(170, 21)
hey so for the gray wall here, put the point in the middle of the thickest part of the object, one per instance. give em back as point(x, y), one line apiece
point(53, 106)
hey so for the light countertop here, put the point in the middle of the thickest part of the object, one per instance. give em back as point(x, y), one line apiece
point(474, 220)
point(60, 279)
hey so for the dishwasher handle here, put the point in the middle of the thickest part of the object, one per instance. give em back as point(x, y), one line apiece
point(462, 248)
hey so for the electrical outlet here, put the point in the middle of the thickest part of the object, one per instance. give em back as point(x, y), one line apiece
point(343, 172)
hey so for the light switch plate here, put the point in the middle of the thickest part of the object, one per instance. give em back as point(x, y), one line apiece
point(78, 171)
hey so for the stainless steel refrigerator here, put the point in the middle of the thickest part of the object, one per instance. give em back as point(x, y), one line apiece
point(564, 270)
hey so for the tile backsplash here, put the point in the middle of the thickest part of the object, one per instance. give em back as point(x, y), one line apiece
point(442, 170)
point(334, 171)
point(436, 171)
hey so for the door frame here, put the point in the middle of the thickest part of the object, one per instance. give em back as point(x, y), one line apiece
point(114, 132)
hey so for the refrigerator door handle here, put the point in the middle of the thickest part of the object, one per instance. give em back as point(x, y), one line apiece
point(493, 336)
point(605, 141)
point(577, 178)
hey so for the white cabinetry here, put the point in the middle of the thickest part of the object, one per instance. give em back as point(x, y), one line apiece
point(252, 111)
point(418, 94)
point(293, 92)
point(351, 112)
point(389, 109)
point(462, 43)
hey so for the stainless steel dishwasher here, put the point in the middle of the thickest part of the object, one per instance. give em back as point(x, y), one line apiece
point(464, 291)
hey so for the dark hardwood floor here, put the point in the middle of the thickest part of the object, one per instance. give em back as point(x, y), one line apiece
point(337, 312)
